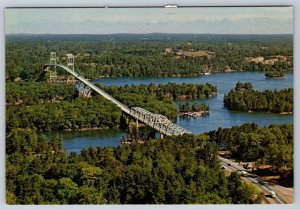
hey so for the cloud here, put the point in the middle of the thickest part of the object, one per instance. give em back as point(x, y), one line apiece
point(147, 20)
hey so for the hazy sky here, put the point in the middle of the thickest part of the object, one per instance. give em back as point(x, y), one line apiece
point(219, 20)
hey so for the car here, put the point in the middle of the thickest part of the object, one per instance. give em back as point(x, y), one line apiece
point(244, 173)
point(252, 175)
point(261, 181)
point(272, 194)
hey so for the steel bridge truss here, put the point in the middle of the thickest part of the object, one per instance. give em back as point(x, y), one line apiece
point(158, 122)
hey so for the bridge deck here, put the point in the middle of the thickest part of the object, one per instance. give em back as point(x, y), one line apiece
point(156, 121)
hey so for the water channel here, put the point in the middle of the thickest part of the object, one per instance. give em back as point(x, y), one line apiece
point(218, 115)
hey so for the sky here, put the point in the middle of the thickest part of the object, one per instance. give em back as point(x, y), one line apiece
point(213, 20)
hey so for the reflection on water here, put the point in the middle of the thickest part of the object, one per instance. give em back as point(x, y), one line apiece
point(75, 141)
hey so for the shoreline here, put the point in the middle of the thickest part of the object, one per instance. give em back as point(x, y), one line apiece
point(286, 113)
point(187, 76)
point(85, 129)
point(196, 114)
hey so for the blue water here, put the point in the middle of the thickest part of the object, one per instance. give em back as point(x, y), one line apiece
point(224, 81)
point(221, 117)
point(75, 141)
point(218, 115)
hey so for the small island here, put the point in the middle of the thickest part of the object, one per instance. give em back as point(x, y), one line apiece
point(244, 98)
point(274, 75)
point(195, 110)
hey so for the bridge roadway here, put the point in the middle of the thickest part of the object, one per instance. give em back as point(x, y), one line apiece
point(156, 121)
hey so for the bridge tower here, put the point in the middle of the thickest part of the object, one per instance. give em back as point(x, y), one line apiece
point(71, 65)
point(53, 59)
point(70, 61)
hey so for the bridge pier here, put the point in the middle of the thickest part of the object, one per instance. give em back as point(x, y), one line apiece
point(137, 124)
point(83, 90)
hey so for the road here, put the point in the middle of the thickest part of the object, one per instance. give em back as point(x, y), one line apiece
point(264, 186)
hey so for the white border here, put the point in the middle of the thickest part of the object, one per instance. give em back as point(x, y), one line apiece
point(126, 3)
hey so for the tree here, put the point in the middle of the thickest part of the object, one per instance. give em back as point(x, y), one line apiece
point(66, 190)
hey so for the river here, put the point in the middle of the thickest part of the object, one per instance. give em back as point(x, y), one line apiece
point(218, 115)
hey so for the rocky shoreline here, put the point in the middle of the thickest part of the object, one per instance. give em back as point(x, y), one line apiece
point(195, 114)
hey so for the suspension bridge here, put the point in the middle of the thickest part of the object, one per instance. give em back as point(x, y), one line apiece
point(157, 121)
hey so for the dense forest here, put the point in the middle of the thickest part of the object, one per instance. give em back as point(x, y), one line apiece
point(167, 91)
point(156, 55)
point(44, 106)
point(271, 145)
point(32, 93)
point(174, 170)
point(81, 113)
point(244, 98)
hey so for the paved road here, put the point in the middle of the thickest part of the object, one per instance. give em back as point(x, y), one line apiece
point(264, 186)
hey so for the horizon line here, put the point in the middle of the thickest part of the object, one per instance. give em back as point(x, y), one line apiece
point(149, 33)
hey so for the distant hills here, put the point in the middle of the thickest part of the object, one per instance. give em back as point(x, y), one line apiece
point(149, 37)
